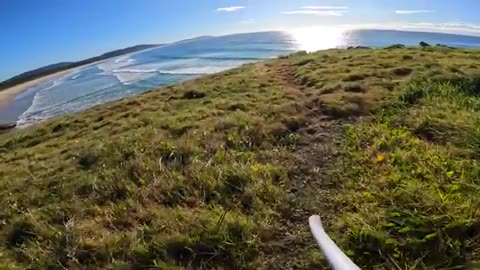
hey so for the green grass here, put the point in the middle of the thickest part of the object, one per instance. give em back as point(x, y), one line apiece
point(224, 171)
point(411, 195)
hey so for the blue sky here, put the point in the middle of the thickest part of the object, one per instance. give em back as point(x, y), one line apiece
point(36, 33)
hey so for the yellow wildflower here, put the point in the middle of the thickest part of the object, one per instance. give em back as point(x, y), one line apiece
point(380, 158)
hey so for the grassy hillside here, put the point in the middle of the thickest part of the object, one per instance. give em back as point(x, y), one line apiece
point(224, 171)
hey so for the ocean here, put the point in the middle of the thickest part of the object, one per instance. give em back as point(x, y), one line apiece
point(138, 72)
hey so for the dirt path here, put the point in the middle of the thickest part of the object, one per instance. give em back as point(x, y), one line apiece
point(311, 187)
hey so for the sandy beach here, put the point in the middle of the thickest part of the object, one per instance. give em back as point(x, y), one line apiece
point(7, 95)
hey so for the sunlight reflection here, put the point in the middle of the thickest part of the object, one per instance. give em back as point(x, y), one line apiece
point(316, 38)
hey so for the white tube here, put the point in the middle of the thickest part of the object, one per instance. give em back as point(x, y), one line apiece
point(337, 259)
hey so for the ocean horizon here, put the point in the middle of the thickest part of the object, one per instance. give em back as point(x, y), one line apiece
point(165, 65)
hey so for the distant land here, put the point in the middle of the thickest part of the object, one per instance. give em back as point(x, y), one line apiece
point(50, 69)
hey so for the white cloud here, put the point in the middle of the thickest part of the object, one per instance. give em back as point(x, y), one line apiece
point(319, 11)
point(446, 27)
point(230, 9)
point(316, 12)
point(451, 27)
point(413, 11)
point(325, 7)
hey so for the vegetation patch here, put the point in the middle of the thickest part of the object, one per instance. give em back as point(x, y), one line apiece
point(193, 94)
point(402, 71)
point(223, 171)
point(424, 44)
point(395, 46)
point(355, 77)
point(237, 106)
point(411, 181)
point(354, 88)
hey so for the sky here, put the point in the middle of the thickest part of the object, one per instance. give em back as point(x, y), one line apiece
point(35, 33)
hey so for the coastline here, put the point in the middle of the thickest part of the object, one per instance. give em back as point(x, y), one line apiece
point(7, 95)
point(12, 107)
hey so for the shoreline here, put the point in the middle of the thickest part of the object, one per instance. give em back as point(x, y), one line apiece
point(9, 94)
point(13, 103)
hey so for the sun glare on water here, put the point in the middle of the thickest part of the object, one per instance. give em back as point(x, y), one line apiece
point(312, 39)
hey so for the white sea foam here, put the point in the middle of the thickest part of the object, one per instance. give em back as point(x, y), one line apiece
point(115, 63)
point(46, 103)
point(196, 70)
point(122, 59)
point(134, 70)
point(37, 104)
point(128, 78)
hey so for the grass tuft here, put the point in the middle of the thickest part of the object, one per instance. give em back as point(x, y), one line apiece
point(354, 88)
point(193, 94)
point(402, 71)
point(355, 77)
point(86, 160)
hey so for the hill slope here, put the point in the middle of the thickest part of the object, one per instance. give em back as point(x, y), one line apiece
point(225, 170)
point(50, 69)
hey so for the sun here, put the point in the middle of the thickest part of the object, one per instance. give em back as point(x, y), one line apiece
point(316, 38)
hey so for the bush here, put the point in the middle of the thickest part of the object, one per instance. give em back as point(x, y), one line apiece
point(424, 44)
point(395, 46)
point(194, 94)
point(87, 159)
